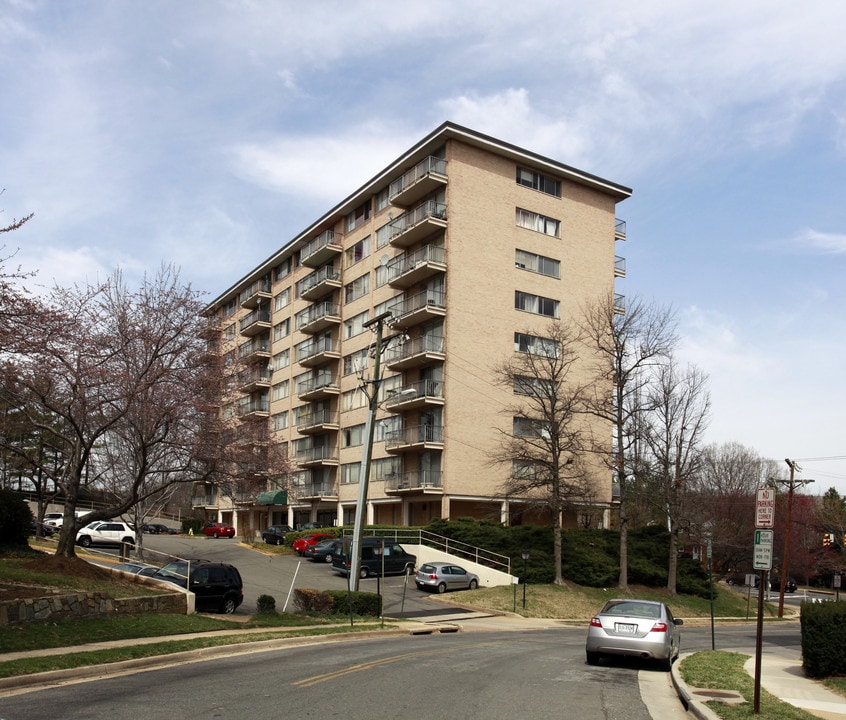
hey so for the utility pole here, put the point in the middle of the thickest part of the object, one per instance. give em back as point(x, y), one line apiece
point(792, 483)
point(369, 429)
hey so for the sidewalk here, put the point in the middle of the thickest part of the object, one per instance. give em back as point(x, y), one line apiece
point(780, 676)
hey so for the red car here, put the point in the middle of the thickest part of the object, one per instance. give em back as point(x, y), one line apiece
point(219, 529)
point(300, 544)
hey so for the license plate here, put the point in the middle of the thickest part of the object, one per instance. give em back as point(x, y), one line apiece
point(624, 628)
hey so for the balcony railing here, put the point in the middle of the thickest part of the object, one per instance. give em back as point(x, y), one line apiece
point(255, 376)
point(420, 349)
point(415, 224)
point(318, 317)
point(255, 293)
point(325, 278)
point(253, 347)
point(414, 480)
point(203, 500)
point(319, 489)
point(317, 383)
point(255, 322)
point(325, 246)
point(620, 230)
point(419, 435)
point(619, 266)
point(422, 179)
point(411, 268)
point(316, 455)
point(619, 304)
point(256, 405)
point(418, 308)
point(311, 348)
point(416, 394)
point(317, 419)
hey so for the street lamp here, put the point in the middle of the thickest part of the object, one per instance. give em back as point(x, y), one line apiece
point(525, 556)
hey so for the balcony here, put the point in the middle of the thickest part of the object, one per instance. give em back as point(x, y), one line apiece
point(319, 283)
point(420, 308)
point(256, 407)
point(415, 353)
point(417, 224)
point(254, 350)
point(254, 323)
point(620, 230)
point(255, 294)
point(420, 437)
point(318, 388)
point(316, 456)
point(318, 421)
point(620, 304)
point(211, 329)
point(413, 268)
point(423, 179)
point(253, 379)
point(318, 491)
point(420, 394)
point(322, 249)
point(619, 266)
point(209, 500)
point(430, 481)
point(317, 352)
point(318, 317)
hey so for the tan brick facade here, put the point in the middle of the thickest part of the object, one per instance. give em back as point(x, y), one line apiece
point(438, 246)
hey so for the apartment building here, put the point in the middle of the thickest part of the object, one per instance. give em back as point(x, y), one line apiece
point(467, 247)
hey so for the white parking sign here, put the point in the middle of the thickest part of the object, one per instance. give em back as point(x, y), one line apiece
point(765, 508)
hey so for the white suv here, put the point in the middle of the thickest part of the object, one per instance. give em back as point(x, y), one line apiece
point(106, 532)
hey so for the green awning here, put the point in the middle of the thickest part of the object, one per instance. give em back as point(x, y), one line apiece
point(275, 497)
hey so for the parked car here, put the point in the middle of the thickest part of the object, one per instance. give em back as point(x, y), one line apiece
point(789, 584)
point(106, 532)
point(57, 519)
point(218, 529)
point(301, 544)
point(275, 534)
point(636, 628)
point(158, 529)
point(378, 555)
point(137, 568)
point(310, 526)
point(46, 530)
point(324, 551)
point(739, 579)
point(443, 576)
point(217, 587)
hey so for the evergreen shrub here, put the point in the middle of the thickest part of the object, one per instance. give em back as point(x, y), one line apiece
point(15, 517)
point(823, 638)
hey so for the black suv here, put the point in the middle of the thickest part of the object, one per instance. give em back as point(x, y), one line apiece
point(789, 584)
point(275, 534)
point(217, 587)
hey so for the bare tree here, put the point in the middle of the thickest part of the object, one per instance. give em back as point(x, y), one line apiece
point(543, 447)
point(624, 348)
point(120, 381)
point(676, 422)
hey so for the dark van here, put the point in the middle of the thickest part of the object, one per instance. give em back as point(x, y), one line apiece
point(378, 556)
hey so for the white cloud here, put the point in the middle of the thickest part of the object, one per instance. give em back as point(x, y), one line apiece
point(820, 242)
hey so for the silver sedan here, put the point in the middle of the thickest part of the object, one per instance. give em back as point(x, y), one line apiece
point(442, 576)
point(636, 628)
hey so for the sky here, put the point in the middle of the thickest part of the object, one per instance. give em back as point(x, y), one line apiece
point(208, 133)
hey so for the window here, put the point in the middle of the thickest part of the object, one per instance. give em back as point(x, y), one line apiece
point(383, 307)
point(282, 269)
point(229, 332)
point(281, 360)
point(389, 386)
point(536, 304)
point(538, 181)
point(535, 345)
point(387, 427)
point(358, 216)
point(357, 252)
point(539, 223)
point(280, 421)
point(280, 390)
point(355, 362)
point(281, 330)
point(353, 436)
point(385, 468)
point(357, 288)
point(227, 412)
point(350, 473)
point(353, 400)
point(537, 387)
point(355, 325)
point(282, 299)
point(527, 427)
point(230, 307)
point(382, 199)
point(537, 263)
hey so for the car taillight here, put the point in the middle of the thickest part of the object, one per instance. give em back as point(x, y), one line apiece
point(433, 577)
point(659, 627)
point(594, 622)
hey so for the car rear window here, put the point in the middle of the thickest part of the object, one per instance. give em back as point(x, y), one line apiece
point(427, 568)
